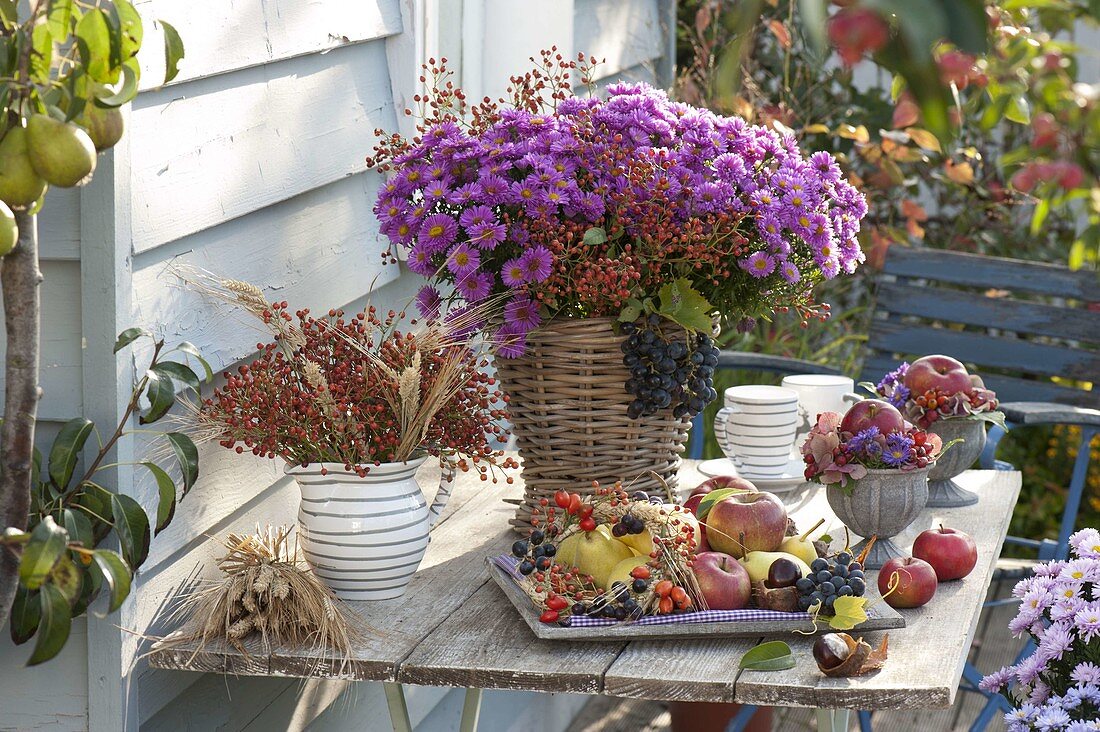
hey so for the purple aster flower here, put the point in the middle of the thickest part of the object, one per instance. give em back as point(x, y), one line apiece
point(1086, 543)
point(898, 450)
point(1025, 714)
point(1056, 641)
point(463, 260)
point(537, 264)
point(475, 286)
point(1086, 673)
point(420, 261)
point(493, 188)
point(522, 313)
point(437, 233)
point(1081, 570)
point(437, 190)
point(509, 344)
point(486, 235)
point(790, 272)
point(861, 442)
point(512, 273)
point(428, 302)
point(997, 680)
point(758, 264)
point(825, 165)
point(476, 215)
point(1029, 669)
point(1051, 718)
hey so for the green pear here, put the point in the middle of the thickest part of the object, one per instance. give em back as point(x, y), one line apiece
point(19, 185)
point(593, 552)
point(9, 232)
point(104, 126)
point(758, 563)
point(801, 548)
point(621, 571)
point(60, 152)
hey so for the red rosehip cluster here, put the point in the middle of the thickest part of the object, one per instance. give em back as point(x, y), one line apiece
point(322, 392)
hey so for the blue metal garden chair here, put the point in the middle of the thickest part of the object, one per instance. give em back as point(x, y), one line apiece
point(1031, 331)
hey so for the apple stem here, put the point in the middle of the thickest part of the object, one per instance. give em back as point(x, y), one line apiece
point(814, 528)
point(942, 530)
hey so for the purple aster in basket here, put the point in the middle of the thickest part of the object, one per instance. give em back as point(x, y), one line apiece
point(758, 264)
point(463, 260)
point(475, 286)
point(790, 272)
point(508, 343)
point(428, 302)
point(898, 450)
point(537, 264)
point(512, 273)
point(522, 314)
point(437, 233)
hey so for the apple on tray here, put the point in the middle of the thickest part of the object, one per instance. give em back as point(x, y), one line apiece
point(916, 582)
point(746, 522)
point(872, 413)
point(718, 482)
point(723, 582)
point(937, 372)
point(952, 553)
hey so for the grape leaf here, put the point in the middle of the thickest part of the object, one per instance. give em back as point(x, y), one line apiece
point(849, 612)
point(684, 304)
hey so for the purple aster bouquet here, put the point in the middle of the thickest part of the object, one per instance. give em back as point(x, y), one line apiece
point(633, 207)
point(1058, 686)
point(924, 406)
point(835, 455)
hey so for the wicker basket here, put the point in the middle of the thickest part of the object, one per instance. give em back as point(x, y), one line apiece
point(568, 406)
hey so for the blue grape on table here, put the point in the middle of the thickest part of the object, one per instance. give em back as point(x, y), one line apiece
point(829, 579)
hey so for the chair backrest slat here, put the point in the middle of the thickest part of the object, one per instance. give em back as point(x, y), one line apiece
point(983, 310)
point(1019, 323)
point(975, 270)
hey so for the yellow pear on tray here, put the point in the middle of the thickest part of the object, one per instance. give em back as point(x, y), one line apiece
point(594, 552)
point(758, 563)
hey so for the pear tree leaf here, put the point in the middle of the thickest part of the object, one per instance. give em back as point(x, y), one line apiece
point(770, 656)
point(173, 51)
point(66, 449)
point(188, 456)
point(54, 626)
point(25, 615)
point(42, 552)
point(116, 573)
point(166, 489)
point(130, 335)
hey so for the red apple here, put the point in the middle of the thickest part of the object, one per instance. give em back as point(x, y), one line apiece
point(719, 482)
point(747, 522)
point(937, 372)
point(723, 582)
point(952, 553)
point(872, 413)
point(916, 582)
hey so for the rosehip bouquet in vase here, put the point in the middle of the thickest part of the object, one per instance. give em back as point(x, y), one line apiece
point(354, 405)
point(938, 393)
point(1058, 686)
point(875, 467)
point(611, 236)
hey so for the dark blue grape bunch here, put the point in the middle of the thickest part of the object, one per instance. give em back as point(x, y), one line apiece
point(668, 371)
point(829, 579)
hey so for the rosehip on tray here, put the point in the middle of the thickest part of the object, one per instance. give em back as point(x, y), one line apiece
point(549, 616)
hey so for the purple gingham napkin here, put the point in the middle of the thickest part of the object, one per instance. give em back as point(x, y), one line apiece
point(510, 565)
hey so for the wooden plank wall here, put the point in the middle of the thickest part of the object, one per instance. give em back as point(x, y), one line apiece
point(251, 165)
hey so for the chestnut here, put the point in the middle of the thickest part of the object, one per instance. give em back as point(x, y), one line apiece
point(783, 573)
point(830, 650)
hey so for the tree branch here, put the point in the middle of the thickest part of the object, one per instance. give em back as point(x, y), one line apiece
point(20, 279)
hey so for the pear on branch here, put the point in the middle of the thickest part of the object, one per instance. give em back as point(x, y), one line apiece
point(9, 231)
point(104, 125)
point(62, 153)
point(20, 186)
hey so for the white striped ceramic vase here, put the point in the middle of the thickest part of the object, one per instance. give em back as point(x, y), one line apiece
point(364, 537)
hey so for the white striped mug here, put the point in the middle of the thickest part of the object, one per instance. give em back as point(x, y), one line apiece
point(756, 429)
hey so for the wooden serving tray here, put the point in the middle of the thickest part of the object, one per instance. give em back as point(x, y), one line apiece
point(880, 616)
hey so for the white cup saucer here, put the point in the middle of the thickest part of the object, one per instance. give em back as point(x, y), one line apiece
point(793, 475)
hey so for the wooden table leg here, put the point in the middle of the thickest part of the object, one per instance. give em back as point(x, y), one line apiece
point(399, 710)
point(471, 710)
point(832, 720)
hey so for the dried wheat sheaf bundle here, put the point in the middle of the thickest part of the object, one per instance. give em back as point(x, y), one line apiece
point(268, 591)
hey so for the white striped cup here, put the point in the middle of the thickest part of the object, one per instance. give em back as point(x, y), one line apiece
point(756, 429)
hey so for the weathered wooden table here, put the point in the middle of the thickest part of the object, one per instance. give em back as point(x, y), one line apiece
point(454, 627)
